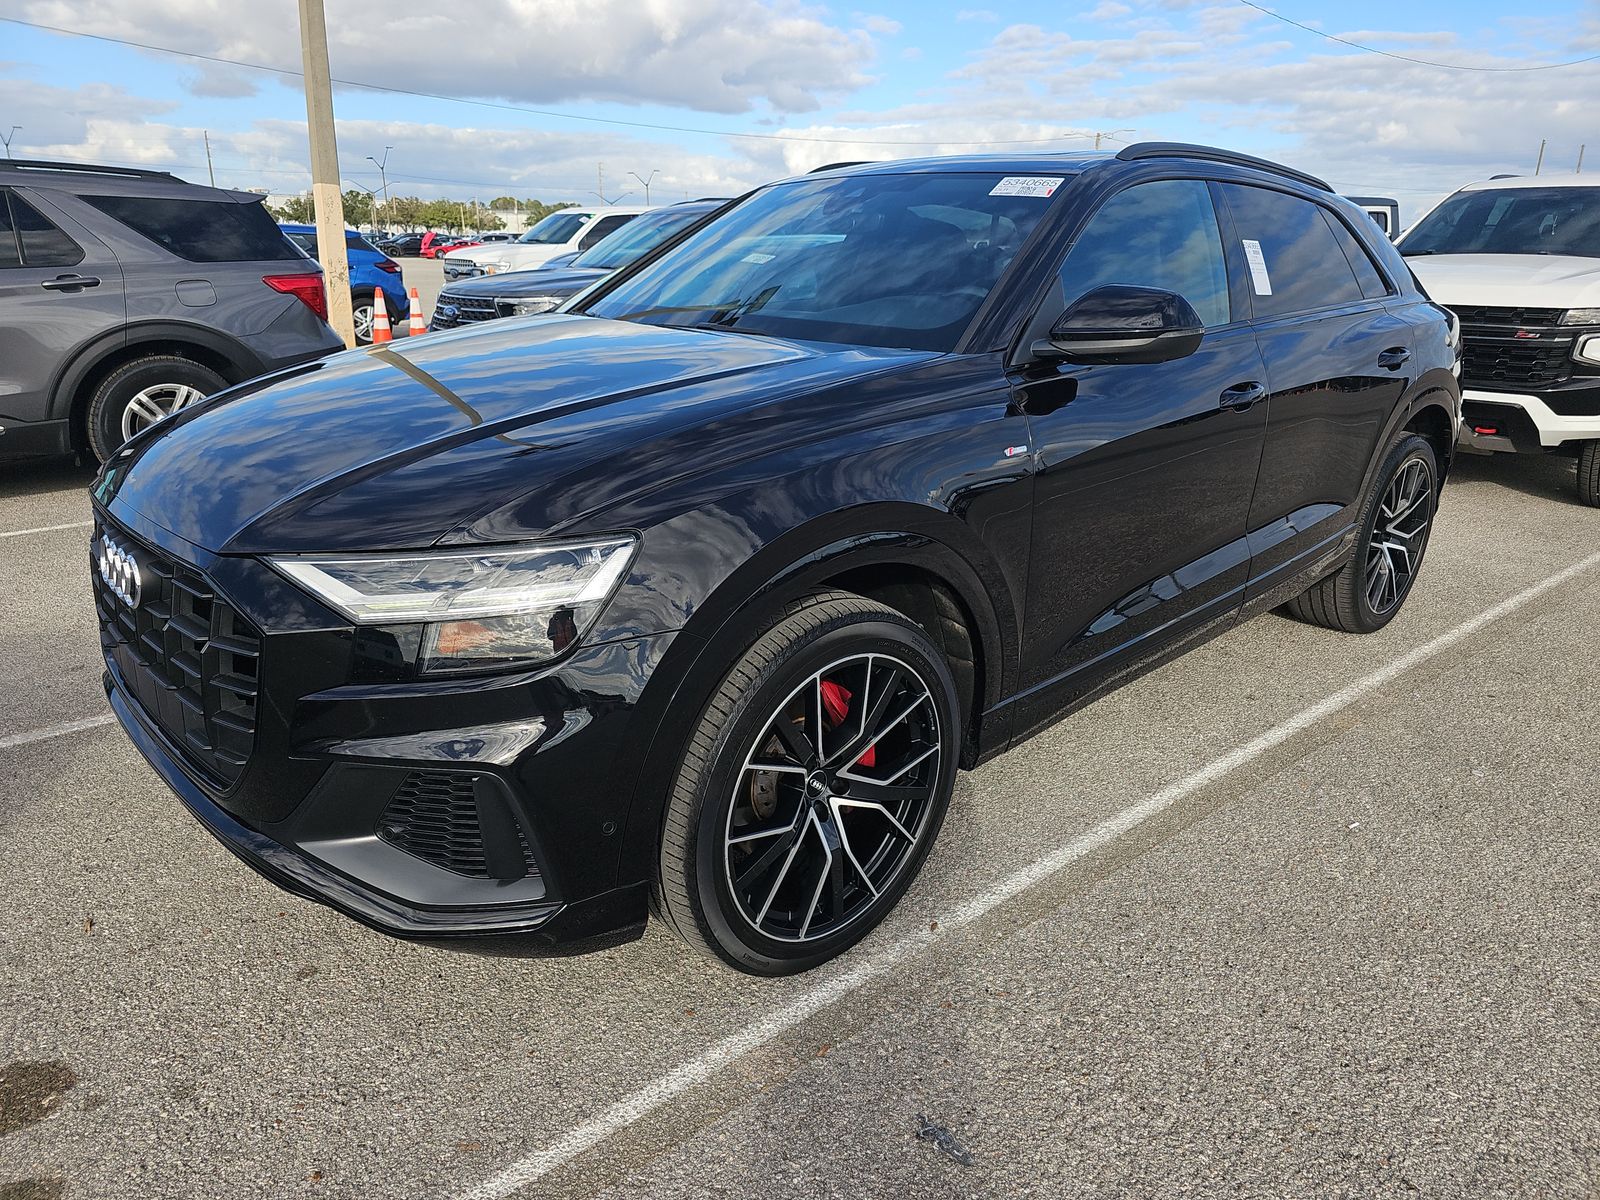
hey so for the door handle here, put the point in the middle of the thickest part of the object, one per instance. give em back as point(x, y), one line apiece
point(70, 283)
point(1242, 395)
point(1394, 358)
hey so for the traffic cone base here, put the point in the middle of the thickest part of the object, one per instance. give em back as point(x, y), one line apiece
point(416, 327)
point(380, 319)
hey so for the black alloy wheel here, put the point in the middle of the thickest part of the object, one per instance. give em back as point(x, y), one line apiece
point(1395, 523)
point(813, 789)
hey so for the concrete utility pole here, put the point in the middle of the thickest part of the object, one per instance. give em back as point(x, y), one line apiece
point(1105, 133)
point(210, 170)
point(325, 195)
point(1581, 149)
point(1539, 166)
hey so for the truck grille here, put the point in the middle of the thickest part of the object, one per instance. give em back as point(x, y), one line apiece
point(436, 816)
point(1508, 348)
point(454, 310)
point(190, 659)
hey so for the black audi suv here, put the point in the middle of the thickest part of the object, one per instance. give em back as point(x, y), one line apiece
point(692, 598)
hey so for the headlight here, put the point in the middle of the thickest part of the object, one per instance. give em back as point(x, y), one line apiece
point(481, 608)
point(494, 266)
point(1581, 316)
point(531, 306)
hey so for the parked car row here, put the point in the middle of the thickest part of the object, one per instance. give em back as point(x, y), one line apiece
point(693, 596)
point(371, 272)
point(566, 231)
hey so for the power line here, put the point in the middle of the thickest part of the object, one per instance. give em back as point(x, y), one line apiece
point(538, 112)
point(1422, 62)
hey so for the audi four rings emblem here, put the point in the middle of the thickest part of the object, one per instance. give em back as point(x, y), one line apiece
point(120, 570)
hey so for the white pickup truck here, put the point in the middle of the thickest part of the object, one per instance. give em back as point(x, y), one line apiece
point(565, 231)
point(1518, 261)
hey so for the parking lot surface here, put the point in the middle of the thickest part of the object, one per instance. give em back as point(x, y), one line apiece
point(1297, 915)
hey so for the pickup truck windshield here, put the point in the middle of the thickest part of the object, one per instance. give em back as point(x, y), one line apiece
point(899, 261)
point(1534, 220)
point(554, 230)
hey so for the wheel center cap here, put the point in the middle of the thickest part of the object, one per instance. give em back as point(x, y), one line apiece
point(816, 784)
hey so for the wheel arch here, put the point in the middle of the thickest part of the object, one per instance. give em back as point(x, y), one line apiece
point(77, 378)
point(920, 561)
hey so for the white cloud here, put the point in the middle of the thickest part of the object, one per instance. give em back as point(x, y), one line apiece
point(874, 23)
point(725, 56)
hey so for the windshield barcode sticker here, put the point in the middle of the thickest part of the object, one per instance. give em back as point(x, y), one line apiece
point(1027, 185)
point(759, 260)
point(1259, 278)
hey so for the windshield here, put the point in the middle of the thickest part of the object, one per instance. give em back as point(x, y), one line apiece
point(636, 239)
point(1534, 220)
point(555, 229)
point(898, 261)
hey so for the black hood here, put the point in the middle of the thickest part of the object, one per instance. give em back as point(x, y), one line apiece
point(518, 285)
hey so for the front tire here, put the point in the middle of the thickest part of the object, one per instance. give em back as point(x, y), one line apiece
point(813, 788)
point(1589, 474)
point(138, 394)
point(1395, 523)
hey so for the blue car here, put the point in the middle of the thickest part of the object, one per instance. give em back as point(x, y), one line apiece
point(371, 271)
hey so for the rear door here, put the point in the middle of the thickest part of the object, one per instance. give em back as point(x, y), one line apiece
point(60, 286)
point(1337, 362)
point(1145, 472)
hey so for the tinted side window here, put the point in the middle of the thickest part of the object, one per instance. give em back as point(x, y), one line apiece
point(1300, 265)
point(201, 230)
point(306, 242)
point(1367, 275)
point(43, 245)
point(1160, 235)
point(9, 256)
point(601, 228)
point(360, 243)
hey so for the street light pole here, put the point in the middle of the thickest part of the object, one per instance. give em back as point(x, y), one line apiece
point(325, 194)
point(1110, 133)
point(8, 137)
point(383, 178)
point(645, 181)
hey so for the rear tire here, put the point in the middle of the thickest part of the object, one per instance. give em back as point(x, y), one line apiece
point(138, 394)
point(1395, 523)
point(1589, 474)
point(777, 867)
point(362, 306)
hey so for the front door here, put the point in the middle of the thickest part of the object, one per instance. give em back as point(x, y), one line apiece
point(1144, 472)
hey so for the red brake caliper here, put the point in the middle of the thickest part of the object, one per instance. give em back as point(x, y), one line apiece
point(836, 703)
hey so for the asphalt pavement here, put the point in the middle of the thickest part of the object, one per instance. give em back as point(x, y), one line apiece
point(1299, 914)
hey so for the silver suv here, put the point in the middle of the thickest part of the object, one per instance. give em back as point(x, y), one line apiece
point(126, 295)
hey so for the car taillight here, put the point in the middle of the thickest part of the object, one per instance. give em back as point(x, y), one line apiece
point(305, 288)
point(389, 265)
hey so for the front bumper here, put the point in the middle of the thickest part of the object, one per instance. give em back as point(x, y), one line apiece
point(1528, 422)
point(480, 808)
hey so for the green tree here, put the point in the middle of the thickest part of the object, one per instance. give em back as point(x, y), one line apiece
point(357, 207)
point(296, 209)
point(503, 202)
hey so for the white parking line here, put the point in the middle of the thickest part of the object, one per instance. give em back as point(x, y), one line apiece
point(703, 1066)
point(45, 529)
point(54, 731)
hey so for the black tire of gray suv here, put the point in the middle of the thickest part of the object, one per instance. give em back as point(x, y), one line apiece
point(1366, 593)
point(763, 714)
point(163, 379)
point(1589, 474)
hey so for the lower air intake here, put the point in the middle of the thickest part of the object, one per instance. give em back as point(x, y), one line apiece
point(459, 821)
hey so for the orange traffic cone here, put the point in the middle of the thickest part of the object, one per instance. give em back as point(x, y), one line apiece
point(380, 318)
point(416, 328)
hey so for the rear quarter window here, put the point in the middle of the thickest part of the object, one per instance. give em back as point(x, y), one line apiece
point(41, 243)
point(201, 230)
point(1304, 266)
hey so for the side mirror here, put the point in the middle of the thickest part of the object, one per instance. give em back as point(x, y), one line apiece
point(1122, 324)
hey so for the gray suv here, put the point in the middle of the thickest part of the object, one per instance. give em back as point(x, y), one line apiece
point(126, 295)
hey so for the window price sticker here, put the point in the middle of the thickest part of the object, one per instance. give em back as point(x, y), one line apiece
point(1259, 278)
point(1027, 185)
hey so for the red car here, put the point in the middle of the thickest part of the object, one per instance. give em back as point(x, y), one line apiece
point(435, 244)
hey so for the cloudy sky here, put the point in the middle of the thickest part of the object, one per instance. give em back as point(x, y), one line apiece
point(669, 86)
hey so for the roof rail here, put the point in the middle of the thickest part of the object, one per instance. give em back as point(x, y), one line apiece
point(81, 168)
point(1143, 150)
point(1492, 177)
point(860, 162)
